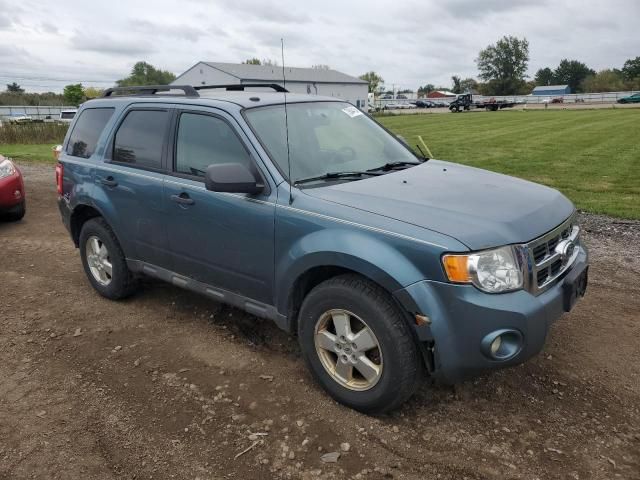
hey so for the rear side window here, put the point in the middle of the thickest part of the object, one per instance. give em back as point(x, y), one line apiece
point(87, 130)
point(204, 140)
point(140, 138)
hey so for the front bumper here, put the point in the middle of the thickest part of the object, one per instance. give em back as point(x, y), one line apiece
point(462, 316)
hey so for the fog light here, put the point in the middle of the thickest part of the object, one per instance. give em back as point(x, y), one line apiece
point(502, 344)
point(495, 346)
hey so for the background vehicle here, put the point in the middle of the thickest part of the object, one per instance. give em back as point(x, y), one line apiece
point(465, 102)
point(66, 116)
point(12, 196)
point(309, 213)
point(19, 118)
point(424, 104)
point(558, 100)
point(635, 98)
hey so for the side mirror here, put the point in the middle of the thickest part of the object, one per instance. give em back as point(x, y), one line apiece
point(232, 178)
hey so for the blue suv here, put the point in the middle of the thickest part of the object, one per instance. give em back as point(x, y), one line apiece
point(304, 210)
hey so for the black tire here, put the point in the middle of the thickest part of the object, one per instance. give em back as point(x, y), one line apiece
point(123, 283)
point(402, 364)
point(16, 213)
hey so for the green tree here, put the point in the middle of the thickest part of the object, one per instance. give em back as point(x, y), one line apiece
point(14, 88)
point(373, 79)
point(144, 73)
point(73, 94)
point(604, 81)
point(468, 85)
point(423, 91)
point(92, 92)
point(503, 66)
point(572, 73)
point(631, 69)
point(544, 76)
point(252, 61)
point(455, 80)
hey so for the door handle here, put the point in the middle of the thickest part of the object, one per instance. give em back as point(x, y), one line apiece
point(183, 199)
point(109, 181)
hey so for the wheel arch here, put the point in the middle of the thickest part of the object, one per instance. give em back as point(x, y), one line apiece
point(79, 216)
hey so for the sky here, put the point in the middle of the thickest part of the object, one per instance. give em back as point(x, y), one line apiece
point(46, 45)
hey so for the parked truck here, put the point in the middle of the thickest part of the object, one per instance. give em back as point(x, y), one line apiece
point(465, 102)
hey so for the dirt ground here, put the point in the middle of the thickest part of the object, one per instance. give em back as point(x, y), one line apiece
point(171, 385)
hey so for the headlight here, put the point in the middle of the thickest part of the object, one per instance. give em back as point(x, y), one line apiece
point(6, 168)
point(492, 271)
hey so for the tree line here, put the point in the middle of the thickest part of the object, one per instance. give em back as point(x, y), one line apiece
point(502, 70)
point(142, 73)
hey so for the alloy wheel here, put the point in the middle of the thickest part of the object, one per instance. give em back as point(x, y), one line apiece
point(348, 349)
point(99, 261)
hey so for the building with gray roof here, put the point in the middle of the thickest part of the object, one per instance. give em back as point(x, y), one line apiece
point(314, 81)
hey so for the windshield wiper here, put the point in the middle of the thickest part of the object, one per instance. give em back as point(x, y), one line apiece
point(392, 165)
point(334, 175)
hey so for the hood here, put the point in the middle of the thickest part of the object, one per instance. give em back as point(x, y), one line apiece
point(479, 208)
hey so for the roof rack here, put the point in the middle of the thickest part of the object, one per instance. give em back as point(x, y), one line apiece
point(241, 86)
point(188, 90)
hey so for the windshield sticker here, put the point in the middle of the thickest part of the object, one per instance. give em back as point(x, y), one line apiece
point(352, 111)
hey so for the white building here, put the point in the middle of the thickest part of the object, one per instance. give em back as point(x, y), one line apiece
point(312, 81)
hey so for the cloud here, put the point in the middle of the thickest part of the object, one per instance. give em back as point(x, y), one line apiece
point(48, 27)
point(409, 42)
point(111, 45)
point(268, 11)
point(473, 9)
point(5, 21)
point(181, 31)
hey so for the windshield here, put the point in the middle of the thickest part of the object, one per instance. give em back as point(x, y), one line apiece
point(325, 137)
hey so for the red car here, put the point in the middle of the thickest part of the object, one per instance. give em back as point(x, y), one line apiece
point(12, 198)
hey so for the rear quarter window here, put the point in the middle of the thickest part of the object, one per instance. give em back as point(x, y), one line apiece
point(87, 130)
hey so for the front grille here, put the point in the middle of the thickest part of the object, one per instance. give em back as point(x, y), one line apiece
point(548, 264)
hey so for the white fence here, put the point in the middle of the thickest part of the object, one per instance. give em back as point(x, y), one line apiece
point(35, 112)
point(604, 97)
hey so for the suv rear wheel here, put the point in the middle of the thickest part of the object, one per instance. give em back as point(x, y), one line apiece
point(103, 260)
point(357, 345)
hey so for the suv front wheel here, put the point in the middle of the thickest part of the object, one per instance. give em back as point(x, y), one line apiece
point(103, 260)
point(357, 345)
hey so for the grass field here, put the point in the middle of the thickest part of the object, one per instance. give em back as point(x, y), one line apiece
point(36, 152)
point(592, 156)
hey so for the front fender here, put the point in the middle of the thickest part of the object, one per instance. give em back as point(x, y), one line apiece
point(348, 248)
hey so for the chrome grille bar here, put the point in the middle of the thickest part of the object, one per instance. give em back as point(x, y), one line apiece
point(560, 247)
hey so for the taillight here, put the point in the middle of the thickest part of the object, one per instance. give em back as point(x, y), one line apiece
point(59, 177)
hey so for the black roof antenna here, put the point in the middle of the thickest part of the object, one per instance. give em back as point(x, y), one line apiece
point(286, 121)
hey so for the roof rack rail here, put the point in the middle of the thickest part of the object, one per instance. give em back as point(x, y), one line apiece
point(188, 90)
point(233, 87)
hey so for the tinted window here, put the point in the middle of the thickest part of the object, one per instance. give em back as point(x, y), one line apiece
point(140, 138)
point(204, 140)
point(87, 130)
